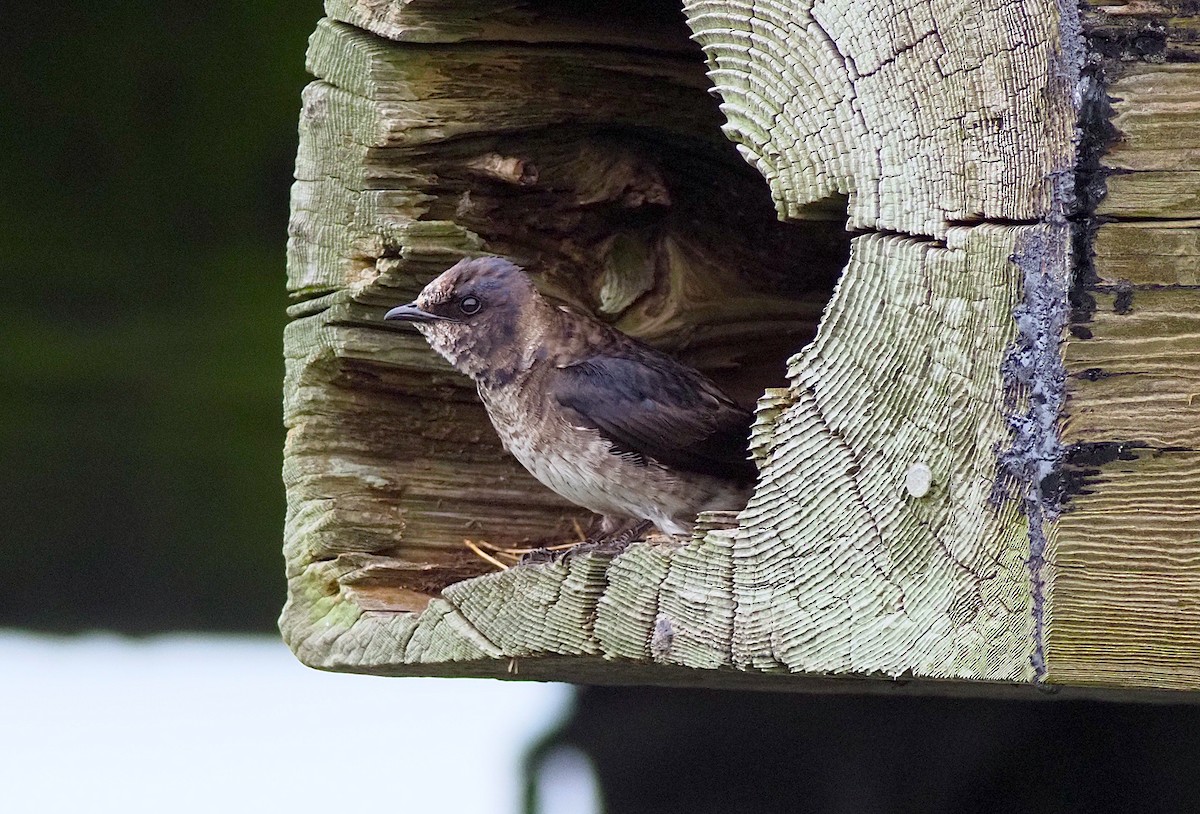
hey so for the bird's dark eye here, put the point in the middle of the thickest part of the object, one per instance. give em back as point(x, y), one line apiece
point(470, 305)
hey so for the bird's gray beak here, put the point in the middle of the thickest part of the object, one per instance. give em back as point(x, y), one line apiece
point(412, 313)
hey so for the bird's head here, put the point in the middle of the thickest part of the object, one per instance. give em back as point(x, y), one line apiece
point(478, 314)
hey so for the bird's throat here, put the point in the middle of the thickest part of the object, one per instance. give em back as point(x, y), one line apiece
point(493, 358)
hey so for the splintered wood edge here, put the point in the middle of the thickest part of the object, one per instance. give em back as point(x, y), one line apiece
point(434, 21)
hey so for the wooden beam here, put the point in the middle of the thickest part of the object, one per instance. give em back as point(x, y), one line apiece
point(950, 490)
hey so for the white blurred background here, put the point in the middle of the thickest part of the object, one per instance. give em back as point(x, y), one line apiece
point(183, 723)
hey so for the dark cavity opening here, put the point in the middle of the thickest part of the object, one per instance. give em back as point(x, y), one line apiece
point(655, 223)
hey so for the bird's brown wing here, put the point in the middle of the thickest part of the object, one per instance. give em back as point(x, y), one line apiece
point(655, 408)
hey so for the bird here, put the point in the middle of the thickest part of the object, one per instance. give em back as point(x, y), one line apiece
point(604, 420)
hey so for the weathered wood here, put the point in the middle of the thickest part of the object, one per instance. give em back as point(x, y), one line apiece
point(1057, 540)
point(1123, 575)
point(1154, 162)
point(920, 112)
point(623, 23)
point(413, 155)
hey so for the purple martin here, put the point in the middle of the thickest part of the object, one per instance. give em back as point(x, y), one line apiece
point(607, 422)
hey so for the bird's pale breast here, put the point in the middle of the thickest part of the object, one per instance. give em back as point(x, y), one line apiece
point(579, 464)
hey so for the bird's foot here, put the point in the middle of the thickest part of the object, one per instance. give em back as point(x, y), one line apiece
point(657, 537)
point(536, 556)
point(603, 542)
point(610, 543)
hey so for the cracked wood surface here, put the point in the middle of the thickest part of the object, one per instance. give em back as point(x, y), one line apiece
point(948, 129)
point(924, 113)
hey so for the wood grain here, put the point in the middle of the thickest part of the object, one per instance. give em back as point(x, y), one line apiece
point(1122, 572)
point(1126, 575)
point(920, 113)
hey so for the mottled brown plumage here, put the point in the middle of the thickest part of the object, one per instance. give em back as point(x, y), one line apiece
point(602, 419)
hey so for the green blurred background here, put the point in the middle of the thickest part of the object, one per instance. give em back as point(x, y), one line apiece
point(146, 151)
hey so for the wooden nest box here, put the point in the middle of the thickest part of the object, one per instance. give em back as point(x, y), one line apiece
point(951, 251)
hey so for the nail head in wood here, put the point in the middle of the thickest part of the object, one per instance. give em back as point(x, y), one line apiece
point(918, 479)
